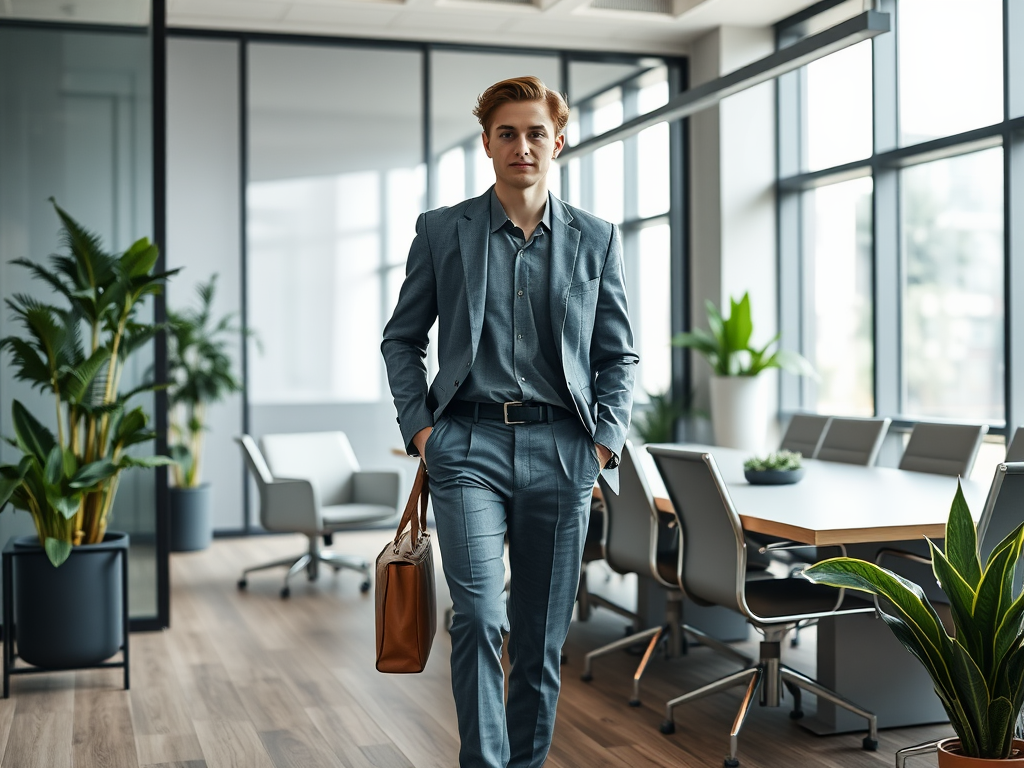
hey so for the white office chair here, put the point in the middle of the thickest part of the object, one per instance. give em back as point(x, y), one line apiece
point(311, 483)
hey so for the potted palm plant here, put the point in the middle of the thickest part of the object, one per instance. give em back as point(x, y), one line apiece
point(978, 672)
point(68, 608)
point(739, 407)
point(200, 371)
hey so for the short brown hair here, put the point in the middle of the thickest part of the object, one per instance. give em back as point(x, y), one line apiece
point(527, 88)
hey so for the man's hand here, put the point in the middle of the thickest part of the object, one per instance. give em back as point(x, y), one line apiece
point(604, 455)
point(420, 441)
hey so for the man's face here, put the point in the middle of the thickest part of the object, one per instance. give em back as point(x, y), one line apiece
point(521, 143)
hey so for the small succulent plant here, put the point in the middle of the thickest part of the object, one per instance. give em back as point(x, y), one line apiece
point(780, 461)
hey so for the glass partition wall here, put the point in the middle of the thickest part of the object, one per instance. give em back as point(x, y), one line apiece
point(76, 124)
point(339, 146)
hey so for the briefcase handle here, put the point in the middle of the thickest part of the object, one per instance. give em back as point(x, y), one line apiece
point(419, 496)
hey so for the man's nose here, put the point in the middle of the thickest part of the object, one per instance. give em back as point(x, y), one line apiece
point(523, 148)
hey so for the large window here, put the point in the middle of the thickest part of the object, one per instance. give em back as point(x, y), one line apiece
point(627, 182)
point(897, 162)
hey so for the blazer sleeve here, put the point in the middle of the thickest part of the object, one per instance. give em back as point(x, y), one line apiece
point(405, 339)
point(612, 358)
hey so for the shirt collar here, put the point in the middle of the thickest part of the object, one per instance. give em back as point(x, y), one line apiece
point(499, 217)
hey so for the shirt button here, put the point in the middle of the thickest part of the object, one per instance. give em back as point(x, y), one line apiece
point(520, 253)
point(523, 378)
point(519, 336)
point(456, 382)
point(519, 293)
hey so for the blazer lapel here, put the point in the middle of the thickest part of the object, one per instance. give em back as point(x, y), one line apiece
point(474, 233)
point(565, 241)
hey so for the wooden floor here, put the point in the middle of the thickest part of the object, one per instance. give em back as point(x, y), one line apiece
point(247, 680)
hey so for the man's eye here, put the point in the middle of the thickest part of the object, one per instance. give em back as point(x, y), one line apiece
point(505, 135)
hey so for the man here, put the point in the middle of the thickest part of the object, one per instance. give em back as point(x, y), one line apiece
point(531, 400)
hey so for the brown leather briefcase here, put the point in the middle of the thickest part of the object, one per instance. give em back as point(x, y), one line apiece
point(406, 603)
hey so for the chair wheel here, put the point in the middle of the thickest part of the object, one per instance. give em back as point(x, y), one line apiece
point(794, 642)
point(587, 677)
point(796, 714)
point(285, 592)
point(731, 762)
point(634, 702)
point(365, 587)
point(871, 745)
point(667, 727)
point(242, 583)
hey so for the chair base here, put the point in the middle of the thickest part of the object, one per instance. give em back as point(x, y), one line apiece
point(310, 562)
point(769, 676)
point(674, 631)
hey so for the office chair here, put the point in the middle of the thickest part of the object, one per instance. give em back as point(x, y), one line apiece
point(1015, 448)
point(714, 566)
point(311, 484)
point(943, 449)
point(804, 434)
point(853, 441)
point(639, 539)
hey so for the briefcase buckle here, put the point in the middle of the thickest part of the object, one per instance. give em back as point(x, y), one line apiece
point(514, 404)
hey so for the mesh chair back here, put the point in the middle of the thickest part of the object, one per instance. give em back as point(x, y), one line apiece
point(943, 449)
point(804, 434)
point(714, 555)
point(254, 460)
point(1002, 513)
point(631, 520)
point(324, 458)
point(853, 441)
point(1015, 448)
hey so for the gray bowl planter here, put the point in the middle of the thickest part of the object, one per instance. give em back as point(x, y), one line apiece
point(191, 527)
point(71, 617)
point(773, 476)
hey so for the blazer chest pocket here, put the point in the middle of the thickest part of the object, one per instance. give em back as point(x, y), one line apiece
point(581, 289)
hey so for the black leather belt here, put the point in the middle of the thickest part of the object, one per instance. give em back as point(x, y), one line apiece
point(511, 413)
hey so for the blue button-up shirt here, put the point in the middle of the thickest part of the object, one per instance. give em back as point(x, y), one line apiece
point(517, 358)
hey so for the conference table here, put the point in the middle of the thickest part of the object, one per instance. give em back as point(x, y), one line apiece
point(864, 508)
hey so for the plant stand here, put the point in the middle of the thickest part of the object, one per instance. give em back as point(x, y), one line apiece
point(10, 552)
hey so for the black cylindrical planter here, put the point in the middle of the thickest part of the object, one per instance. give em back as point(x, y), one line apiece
point(191, 528)
point(69, 617)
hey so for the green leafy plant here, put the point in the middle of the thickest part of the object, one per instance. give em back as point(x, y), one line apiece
point(780, 461)
point(77, 353)
point(657, 422)
point(978, 672)
point(199, 368)
point(727, 346)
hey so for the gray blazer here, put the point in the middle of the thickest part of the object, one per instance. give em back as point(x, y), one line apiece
point(446, 278)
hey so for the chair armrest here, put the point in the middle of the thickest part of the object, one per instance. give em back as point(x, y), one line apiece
point(901, 553)
point(376, 488)
point(291, 504)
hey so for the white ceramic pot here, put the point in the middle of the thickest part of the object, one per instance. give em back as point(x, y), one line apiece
point(739, 411)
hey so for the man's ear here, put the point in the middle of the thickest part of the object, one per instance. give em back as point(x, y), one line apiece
point(559, 143)
point(487, 143)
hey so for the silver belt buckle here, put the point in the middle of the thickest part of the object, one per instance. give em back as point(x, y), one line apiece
point(515, 403)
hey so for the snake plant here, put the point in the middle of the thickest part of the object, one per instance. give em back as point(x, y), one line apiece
point(978, 672)
point(76, 352)
point(727, 347)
